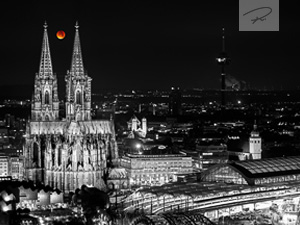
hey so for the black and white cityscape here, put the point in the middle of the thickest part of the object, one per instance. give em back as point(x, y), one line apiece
point(145, 113)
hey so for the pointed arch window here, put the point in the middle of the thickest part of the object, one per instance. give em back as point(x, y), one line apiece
point(47, 97)
point(78, 97)
point(36, 153)
point(59, 156)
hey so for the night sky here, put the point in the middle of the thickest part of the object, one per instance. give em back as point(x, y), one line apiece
point(145, 45)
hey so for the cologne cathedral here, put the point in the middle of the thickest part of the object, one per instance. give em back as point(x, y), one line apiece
point(66, 153)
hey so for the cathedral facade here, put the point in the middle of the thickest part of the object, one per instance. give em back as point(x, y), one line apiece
point(66, 153)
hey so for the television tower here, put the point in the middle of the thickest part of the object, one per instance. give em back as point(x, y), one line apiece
point(223, 60)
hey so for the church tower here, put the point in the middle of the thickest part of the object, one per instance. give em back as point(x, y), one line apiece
point(69, 152)
point(78, 86)
point(255, 144)
point(45, 103)
point(144, 126)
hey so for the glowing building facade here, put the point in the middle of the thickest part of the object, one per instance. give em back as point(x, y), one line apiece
point(223, 185)
point(66, 153)
point(11, 166)
point(154, 170)
point(255, 143)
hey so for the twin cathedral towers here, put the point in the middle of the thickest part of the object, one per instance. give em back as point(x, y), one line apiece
point(66, 153)
point(45, 102)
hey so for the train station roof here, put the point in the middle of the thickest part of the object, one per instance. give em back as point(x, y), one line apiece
point(173, 218)
point(268, 167)
point(254, 172)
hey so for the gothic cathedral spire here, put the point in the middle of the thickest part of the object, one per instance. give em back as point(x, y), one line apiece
point(45, 63)
point(45, 103)
point(51, 155)
point(78, 86)
point(77, 68)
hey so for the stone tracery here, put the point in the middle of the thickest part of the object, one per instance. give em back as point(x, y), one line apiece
point(70, 152)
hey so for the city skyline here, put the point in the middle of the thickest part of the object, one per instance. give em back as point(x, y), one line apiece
point(124, 113)
point(149, 46)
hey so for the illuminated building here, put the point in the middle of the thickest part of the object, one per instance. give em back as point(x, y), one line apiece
point(152, 170)
point(223, 185)
point(134, 124)
point(255, 172)
point(16, 167)
point(118, 178)
point(9, 196)
point(144, 125)
point(255, 144)
point(4, 166)
point(67, 153)
point(32, 196)
point(211, 154)
point(11, 166)
point(26, 195)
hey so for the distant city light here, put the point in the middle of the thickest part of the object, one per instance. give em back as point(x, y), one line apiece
point(221, 60)
point(5, 208)
point(138, 145)
point(6, 198)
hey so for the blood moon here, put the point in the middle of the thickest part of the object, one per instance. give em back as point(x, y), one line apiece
point(60, 34)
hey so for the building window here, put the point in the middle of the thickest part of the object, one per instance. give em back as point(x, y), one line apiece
point(59, 156)
point(35, 153)
point(46, 97)
point(78, 97)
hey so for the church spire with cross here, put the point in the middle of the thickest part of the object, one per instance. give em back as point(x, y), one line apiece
point(58, 152)
point(78, 89)
point(45, 102)
point(45, 69)
point(77, 68)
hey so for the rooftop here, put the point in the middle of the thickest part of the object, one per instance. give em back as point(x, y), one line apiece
point(155, 156)
point(268, 167)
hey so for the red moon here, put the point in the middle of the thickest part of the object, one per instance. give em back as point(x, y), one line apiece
point(60, 34)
